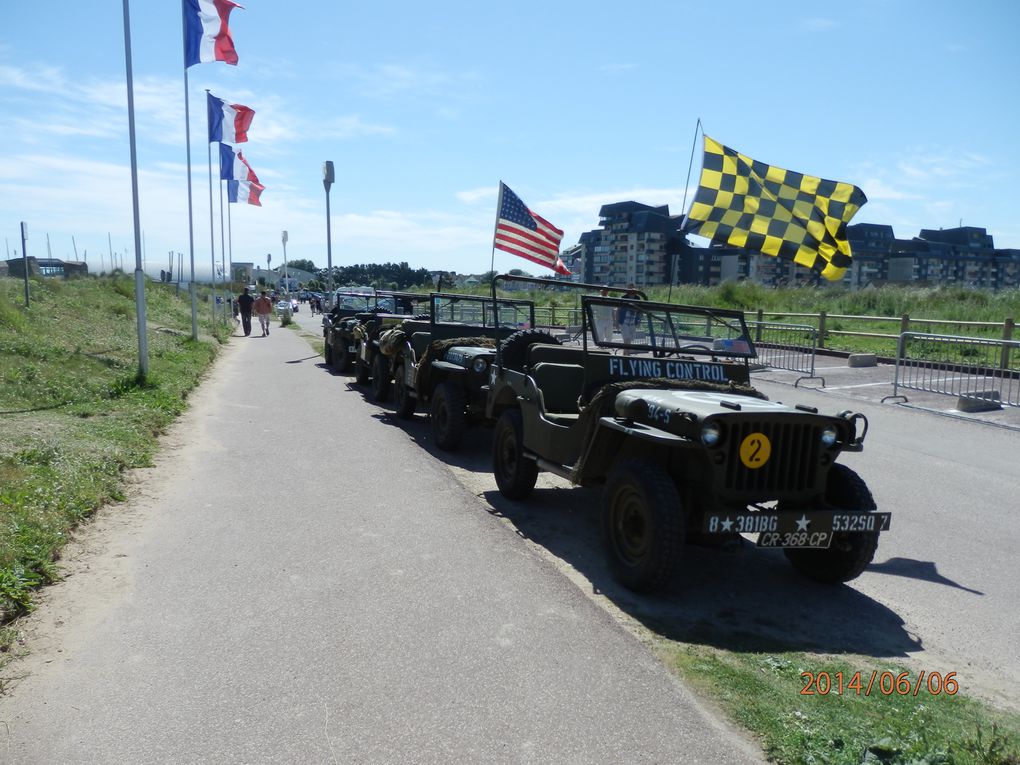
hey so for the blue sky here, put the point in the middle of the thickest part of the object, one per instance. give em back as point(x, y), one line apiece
point(425, 107)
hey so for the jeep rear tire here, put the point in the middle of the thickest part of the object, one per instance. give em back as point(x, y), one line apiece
point(642, 525)
point(382, 386)
point(342, 356)
point(849, 554)
point(362, 372)
point(513, 351)
point(406, 403)
point(515, 474)
point(448, 419)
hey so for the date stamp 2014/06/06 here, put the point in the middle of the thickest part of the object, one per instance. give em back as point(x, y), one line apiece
point(885, 683)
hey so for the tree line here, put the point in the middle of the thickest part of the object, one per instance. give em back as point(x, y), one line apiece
point(386, 275)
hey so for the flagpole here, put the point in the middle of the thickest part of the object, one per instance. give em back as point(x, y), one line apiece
point(230, 238)
point(187, 141)
point(683, 204)
point(223, 249)
point(143, 347)
point(212, 226)
point(495, 227)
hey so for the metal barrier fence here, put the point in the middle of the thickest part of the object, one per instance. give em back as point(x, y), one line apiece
point(967, 367)
point(787, 346)
point(549, 316)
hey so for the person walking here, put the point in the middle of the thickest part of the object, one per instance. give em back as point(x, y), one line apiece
point(264, 308)
point(244, 305)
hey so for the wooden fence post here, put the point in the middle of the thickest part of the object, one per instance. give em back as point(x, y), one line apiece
point(821, 329)
point(757, 329)
point(904, 323)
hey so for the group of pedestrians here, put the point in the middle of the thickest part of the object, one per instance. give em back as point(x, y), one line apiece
point(262, 306)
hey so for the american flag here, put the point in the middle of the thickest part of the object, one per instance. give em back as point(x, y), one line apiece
point(520, 232)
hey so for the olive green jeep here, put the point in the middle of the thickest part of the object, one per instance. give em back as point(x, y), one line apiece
point(663, 417)
point(351, 311)
point(443, 363)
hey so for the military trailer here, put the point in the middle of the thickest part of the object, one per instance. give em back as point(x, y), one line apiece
point(684, 448)
point(444, 363)
point(353, 313)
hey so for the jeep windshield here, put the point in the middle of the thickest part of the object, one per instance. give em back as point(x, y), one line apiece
point(477, 311)
point(640, 326)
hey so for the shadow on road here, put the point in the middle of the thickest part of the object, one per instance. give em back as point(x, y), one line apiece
point(743, 599)
point(924, 570)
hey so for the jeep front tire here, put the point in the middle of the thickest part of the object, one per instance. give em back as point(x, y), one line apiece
point(642, 525)
point(515, 474)
point(850, 553)
point(448, 419)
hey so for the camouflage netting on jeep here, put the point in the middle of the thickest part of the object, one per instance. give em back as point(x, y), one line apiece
point(391, 341)
point(603, 403)
point(437, 352)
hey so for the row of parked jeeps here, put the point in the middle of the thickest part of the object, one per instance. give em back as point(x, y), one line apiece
point(665, 421)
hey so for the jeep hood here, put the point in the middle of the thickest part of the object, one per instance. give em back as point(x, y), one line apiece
point(699, 403)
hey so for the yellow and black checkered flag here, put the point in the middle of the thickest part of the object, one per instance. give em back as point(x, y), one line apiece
point(759, 207)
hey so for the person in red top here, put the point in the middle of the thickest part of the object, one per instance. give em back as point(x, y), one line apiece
point(264, 308)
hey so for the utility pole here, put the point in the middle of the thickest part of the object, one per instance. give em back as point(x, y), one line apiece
point(286, 281)
point(24, 258)
point(327, 181)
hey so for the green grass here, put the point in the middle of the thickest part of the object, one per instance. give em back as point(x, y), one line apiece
point(74, 412)
point(764, 693)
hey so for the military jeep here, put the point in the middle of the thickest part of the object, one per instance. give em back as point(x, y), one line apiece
point(355, 316)
point(338, 326)
point(444, 362)
point(684, 447)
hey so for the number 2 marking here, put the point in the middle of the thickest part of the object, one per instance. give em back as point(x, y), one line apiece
point(755, 450)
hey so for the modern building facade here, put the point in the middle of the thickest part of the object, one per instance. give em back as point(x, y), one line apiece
point(644, 245)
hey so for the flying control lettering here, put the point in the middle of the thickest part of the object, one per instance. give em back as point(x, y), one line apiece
point(672, 370)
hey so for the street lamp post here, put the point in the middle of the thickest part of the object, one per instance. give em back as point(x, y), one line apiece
point(327, 181)
point(286, 279)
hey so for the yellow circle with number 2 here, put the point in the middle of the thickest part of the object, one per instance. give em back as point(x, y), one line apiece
point(755, 450)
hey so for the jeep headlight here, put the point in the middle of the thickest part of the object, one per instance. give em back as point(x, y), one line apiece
point(479, 364)
point(711, 433)
point(829, 435)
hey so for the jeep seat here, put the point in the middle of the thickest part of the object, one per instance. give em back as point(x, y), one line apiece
point(560, 385)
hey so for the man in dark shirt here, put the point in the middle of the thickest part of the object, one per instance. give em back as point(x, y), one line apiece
point(244, 304)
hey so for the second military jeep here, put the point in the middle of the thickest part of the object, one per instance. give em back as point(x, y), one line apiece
point(444, 362)
point(664, 418)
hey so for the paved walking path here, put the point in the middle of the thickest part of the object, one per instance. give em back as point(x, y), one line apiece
point(298, 582)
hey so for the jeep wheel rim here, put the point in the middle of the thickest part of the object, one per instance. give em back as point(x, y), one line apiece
point(630, 525)
point(508, 454)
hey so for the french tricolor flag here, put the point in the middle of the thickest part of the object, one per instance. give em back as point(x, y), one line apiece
point(244, 192)
point(233, 165)
point(228, 122)
point(206, 35)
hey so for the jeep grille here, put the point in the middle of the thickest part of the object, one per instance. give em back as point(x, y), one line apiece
point(792, 465)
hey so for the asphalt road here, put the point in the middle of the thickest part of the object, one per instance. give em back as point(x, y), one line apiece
point(297, 580)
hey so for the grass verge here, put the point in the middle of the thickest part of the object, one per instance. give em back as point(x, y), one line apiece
point(845, 717)
point(75, 413)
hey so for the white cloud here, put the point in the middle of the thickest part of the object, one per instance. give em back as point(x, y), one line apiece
point(473, 196)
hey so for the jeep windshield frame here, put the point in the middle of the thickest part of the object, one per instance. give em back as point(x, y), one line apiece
point(449, 309)
point(665, 329)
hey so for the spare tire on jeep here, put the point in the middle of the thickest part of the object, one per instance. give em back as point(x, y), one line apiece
point(514, 350)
